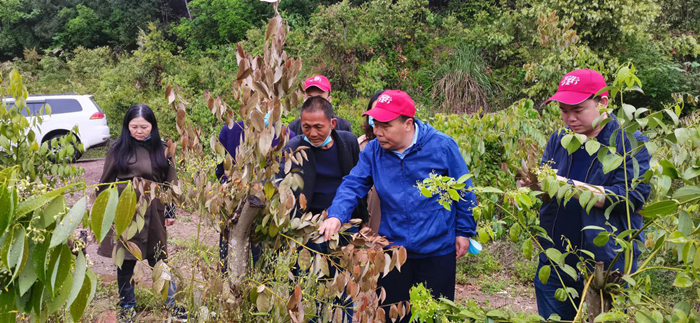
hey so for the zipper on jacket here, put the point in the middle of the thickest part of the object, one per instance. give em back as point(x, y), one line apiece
point(556, 216)
point(585, 180)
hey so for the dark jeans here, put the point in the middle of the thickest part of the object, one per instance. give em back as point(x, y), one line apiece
point(436, 273)
point(126, 288)
point(548, 305)
point(323, 248)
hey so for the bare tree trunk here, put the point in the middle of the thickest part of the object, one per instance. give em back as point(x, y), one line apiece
point(596, 299)
point(239, 241)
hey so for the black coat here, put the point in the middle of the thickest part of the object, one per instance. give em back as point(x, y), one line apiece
point(348, 155)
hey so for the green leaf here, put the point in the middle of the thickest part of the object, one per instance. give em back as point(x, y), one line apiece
point(488, 189)
point(592, 147)
point(82, 298)
point(119, 257)
point(544, 273)
point(685, 224)
point(7, 206)
point(61, 295)
point(612, 163)
point(691, 173)
point(16, 252)
point(555, 255)
point(426, 192)
point(126, 208)
point(60, 265)
point(601, 239)
point(37, 201)
point(39, 259)
point(527, 248)
point(50, 212)
point(584, 198)
point(686, 193)
point(26, 279)
point(515, 232)
point(69, 223)
point(677, 237)
point(560, 294)
point(668, 169)
point(97, 215)
point(78, 278)
point(464, 178)
point(660, 209)
point(263, 302)
point(570, 271)
point(454, 195)
point(682, 280)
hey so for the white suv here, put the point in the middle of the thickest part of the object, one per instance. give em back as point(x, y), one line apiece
point(67, 111)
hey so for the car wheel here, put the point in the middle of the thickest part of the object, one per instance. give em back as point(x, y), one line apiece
point(54, 150)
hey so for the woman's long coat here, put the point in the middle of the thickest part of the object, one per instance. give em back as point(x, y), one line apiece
point(153, 238)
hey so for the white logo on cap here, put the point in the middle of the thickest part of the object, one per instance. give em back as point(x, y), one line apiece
point(317, 79)
point(568, 80)
point(384, 98)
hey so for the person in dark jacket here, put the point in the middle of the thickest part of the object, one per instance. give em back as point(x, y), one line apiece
point(139, 152)
point(314, 86)
point(332, 154)
point(231, 138)
point(405, 152)
point(580, 107)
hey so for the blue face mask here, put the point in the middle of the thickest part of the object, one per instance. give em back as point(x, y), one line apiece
point(370, 121)
point(267, 118)
point(325, 142)
point(147, 139)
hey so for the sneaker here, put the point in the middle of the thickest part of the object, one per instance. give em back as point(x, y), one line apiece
point(126, 315)
point(178, 314)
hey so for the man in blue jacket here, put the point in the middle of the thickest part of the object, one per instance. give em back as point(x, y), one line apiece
point(406, 151)
point(580, 107)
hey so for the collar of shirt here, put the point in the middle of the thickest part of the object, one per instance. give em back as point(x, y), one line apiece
point(405, 151)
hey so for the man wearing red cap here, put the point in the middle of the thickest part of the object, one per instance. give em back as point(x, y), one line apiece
point(405, 152)
point(319, 85)
point(580, 106)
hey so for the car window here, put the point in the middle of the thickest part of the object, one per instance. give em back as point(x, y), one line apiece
point(59, 106)
point(34, 107)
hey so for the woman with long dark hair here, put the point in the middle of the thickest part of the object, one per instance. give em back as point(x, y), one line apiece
point(140, 152)
point(375, 213)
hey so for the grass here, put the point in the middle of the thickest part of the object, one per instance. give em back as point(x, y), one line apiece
point(96, 152)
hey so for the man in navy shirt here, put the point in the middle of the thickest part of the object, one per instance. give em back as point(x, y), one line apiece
point(580, 107)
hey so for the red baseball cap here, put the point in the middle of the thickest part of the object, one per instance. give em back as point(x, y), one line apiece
point(392, 104)
point(318, 81)
point(577, 86)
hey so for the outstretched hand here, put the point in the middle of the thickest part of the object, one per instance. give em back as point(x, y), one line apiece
point(329, 227)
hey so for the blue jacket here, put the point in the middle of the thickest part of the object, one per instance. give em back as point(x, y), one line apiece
point(613, 182)
point(409, 219)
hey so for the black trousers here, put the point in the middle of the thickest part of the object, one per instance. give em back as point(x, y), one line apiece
point(127, 298)
point(436, 273)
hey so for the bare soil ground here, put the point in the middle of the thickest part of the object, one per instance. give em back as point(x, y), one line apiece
point(516, 298)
